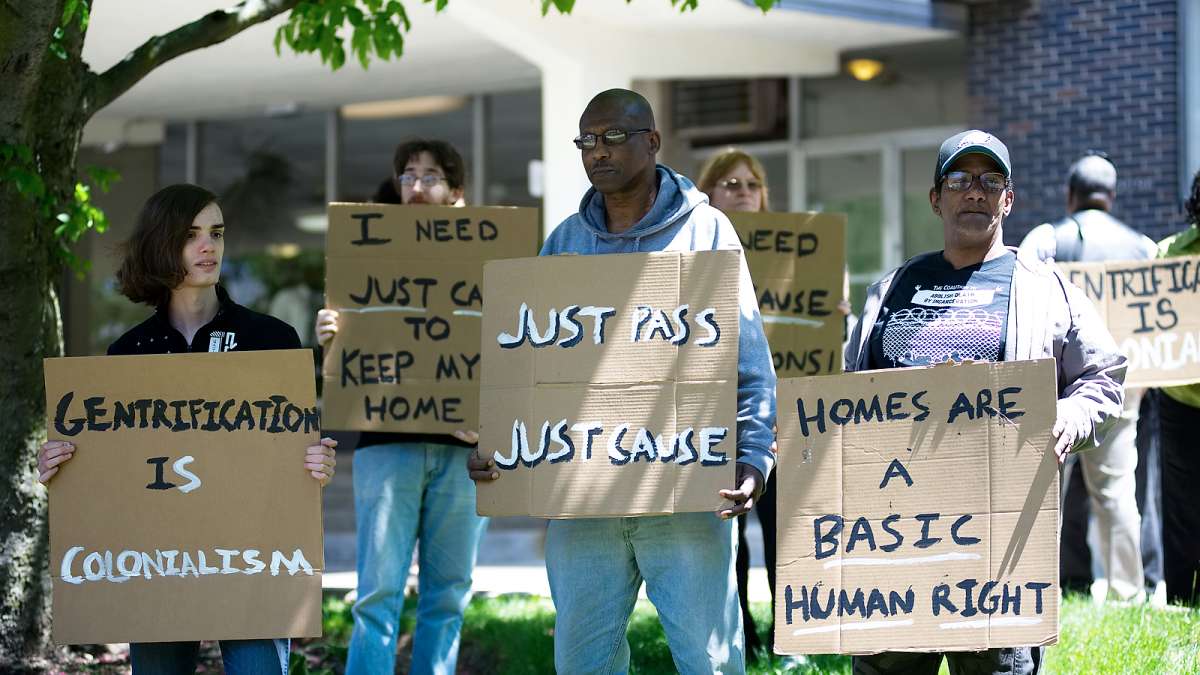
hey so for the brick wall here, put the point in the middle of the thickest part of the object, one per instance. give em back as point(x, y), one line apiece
point(1053, 78)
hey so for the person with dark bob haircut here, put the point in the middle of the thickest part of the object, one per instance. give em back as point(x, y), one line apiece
point(172, 263)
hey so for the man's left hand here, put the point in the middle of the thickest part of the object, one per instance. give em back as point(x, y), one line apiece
point(1068, 429)
point(749, 485)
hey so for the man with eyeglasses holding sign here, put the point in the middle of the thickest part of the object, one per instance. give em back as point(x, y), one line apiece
point(597, 565)
point(409, 487)
point(979, 300)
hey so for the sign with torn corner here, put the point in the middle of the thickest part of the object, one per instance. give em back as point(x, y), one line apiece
point(406, 283)
point(610, 383)
point(1152, 308)
point(186, 512)
point(919, 510)
point(798, 264)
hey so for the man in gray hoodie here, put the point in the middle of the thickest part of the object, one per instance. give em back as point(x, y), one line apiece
point(597, 565)
point(993, 305)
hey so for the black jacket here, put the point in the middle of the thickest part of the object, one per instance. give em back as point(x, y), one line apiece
point(234, 328)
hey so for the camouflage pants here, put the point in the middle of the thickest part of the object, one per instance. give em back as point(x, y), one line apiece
point(1013, 661)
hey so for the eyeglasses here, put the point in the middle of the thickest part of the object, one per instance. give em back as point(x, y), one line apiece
point(611, 137)
point(961, 181)
point(735, 184)
point(428, 181)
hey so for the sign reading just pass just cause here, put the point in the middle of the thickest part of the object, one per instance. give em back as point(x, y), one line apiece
point(610, 383)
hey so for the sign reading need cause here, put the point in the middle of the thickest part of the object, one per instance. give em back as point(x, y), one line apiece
point(186, 512)
point(610, 383)
point(406, 283)
point(922, 510)
point(1152, 308)
point(797, 262)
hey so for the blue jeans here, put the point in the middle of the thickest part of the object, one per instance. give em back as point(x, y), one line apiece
point(405, 493)
point(597, 565)
point(240, 657)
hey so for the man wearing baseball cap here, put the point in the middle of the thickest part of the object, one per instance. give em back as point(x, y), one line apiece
point(996, 305)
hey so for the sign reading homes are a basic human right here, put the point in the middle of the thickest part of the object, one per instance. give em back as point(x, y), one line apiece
point(918, 510)
point(1152, 308)
point(609, 383)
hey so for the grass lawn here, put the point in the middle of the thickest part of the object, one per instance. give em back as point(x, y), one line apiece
point(514, 635)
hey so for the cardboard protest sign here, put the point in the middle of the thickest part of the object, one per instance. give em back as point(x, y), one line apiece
point(798, 262)
point(186, 512)
point(1152, 308)
point(918, 510)
point(610, 383)
point(406, 283)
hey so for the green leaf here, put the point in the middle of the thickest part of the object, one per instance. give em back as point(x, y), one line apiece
point(69, 8)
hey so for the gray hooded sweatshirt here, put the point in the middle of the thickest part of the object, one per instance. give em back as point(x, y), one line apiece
point(682, 220)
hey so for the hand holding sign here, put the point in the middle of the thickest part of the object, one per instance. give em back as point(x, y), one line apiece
point(327, 325)
point(750, 485)
point(320, 460)
point(52, 454)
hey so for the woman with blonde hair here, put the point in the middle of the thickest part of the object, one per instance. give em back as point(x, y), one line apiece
point(734, 181)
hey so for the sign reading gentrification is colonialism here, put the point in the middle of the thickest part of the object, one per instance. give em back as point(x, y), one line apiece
point(1152, 308)
point(922, 510)
point(610, 383)
point(406, 283)
point(186, 512)
point(797, 262)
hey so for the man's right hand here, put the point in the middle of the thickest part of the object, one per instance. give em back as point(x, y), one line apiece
point(327, 325)
point(481, 470)
point(52, 454)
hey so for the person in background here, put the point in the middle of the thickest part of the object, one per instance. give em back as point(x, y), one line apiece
point(1089, 233)
point(411, 488)
point(596, 565)
point(736, 181)
point(997, 305)
point(172, 263)
point(1178, 409)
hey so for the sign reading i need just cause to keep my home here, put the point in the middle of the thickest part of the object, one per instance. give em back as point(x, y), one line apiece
point(610, 383)
point(186, 512)
point(406, 281)
point(798, 264)
point(1152, 308)
point(922, 510)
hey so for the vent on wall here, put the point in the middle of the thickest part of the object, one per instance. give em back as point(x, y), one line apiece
point(705, 109)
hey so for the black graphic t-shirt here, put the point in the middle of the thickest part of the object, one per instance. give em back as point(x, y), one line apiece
point(936, 313)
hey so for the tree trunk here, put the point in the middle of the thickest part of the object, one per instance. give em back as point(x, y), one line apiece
point(40, 109)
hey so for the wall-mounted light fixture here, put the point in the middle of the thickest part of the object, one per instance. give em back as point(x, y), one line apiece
point(864, 70)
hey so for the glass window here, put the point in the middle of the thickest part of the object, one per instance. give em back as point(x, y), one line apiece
point(172, 156)
point(514, 139)
point(269, 175)
point(850, 184)
point(922, 229)
point(776, 167)
point(369, 144)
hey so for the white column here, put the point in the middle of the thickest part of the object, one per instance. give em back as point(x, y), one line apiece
point(567, 86)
